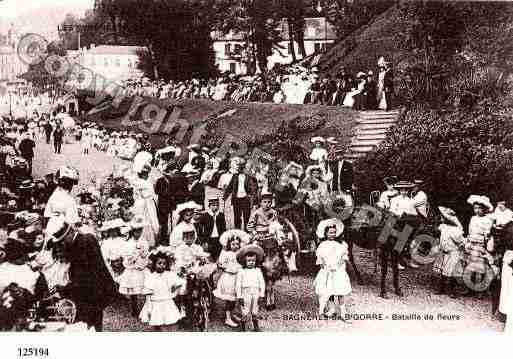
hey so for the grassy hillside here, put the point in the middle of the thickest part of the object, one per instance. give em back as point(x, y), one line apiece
point(255, 124)
point(361, 50)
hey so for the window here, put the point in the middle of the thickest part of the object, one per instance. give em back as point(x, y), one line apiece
point(317, 47)
point(227, 49)
point(106, 62)
point(118, 62)
point(238, 49)
point(233, 67)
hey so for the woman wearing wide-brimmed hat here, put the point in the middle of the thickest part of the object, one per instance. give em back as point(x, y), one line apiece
point(449, 261)
point(479, 233)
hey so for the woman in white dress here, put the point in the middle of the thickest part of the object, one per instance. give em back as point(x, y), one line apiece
point(145, 204)
point(332, 278)
point(479, 234)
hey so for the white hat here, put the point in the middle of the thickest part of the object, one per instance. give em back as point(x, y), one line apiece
point(68, 172)
point(381, 61)
point(244, 237)
point(449, 215)
point(332, 140)
point(483, 200)
point(194, 147)
point(321, 228)
point(57, 228)
point(317, 139)
point(191, 205)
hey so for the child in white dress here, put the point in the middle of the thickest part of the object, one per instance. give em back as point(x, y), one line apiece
point(161, 287)
point(114, 246)
point(319, 154)
point(229, 267)
point(332, 279)
point(135, 261)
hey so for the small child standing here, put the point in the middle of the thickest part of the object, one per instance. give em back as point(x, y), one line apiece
point(229, 266)
point(135, 261)
point(250, 284)
point(113, 246)
point(161, 287)
point(332, 279)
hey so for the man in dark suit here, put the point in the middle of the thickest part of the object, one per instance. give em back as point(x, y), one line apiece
point(214, 224)
point(196, 188)
point(341, 169)
point(171, 190)
point(242, 188)
point(91, 286)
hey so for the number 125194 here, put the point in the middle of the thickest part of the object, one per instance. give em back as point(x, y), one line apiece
point(33, 352)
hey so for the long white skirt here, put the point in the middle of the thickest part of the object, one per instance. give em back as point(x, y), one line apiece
point(506, 299)
point(148, 210)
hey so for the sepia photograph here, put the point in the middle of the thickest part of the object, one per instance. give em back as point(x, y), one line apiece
point(230, 166)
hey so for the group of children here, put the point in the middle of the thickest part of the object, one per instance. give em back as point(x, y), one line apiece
point(159, 274)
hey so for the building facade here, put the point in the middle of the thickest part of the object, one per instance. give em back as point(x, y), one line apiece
point(11, 66)
point(231, 50)
point(116, 63)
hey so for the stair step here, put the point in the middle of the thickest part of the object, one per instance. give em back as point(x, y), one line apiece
point(362, 148)
point(370, 132)
point(353, 156)
point(359, 142)
point(379, 112)
point(376, 121)
point(374, 126)
point(365, 137)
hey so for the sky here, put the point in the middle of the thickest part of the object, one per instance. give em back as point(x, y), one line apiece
point(13, 8)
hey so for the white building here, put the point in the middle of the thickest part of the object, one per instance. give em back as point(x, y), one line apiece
point(231, 54)
point(117, 63)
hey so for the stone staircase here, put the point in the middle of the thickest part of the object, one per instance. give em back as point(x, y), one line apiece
point(370, 132)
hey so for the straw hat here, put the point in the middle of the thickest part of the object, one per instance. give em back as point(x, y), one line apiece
point(312, 168)
point(404, 184)
point(227, 236)
point(332, 140)
point(68, 172)
point(317, 139)
point(482, 200)
point(449, 215)
point(191, 205)
point(321, 228)
point(250, 249)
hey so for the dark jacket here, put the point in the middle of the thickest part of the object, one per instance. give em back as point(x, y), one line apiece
point(26, 148)
point(344, 181)
point(208, 220)
point(171, 190)
point(90, 280)
point(250, 186)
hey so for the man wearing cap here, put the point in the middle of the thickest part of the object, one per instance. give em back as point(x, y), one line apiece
point(242, 188)
point(214, 225)
point(61, 202)
point(91, 286)
point(171, 190)
point(262, 217)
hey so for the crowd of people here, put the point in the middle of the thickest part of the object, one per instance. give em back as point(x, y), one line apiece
point(295, 85)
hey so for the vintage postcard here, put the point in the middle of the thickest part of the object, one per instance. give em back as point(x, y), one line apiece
point(256, 166)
